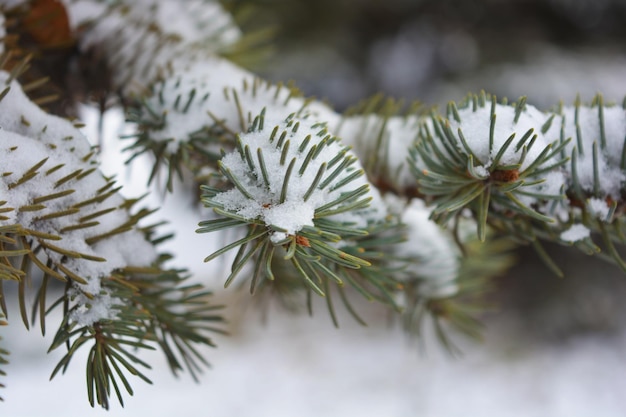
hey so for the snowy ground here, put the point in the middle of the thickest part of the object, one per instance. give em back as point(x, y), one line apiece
point(294, 365)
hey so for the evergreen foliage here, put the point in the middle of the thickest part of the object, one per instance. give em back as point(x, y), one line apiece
point(405, 206)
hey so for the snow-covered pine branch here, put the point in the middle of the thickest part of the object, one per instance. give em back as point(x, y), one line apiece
point(303, 197)
point(188, 118)
point(61, 217)
point(563, 180)
point(200, 103)
point(596, 173)
point(301, 181)
point(555, 176)
point(497, 159)
point(189, 103)
point(57, 204)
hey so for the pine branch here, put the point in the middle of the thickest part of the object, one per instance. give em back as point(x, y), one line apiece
point(276, 166)
point(193, 114)
point(486, 155)
point(138, 42)
point(297, 193)
point(59, 215)
point(180, 317)
point(152, 307)
point(186, 120)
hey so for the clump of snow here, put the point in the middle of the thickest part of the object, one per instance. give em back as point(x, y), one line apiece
point(475, 126)
point(431, 254)
point(482, 171)
point(290, 203)
point(19, 115)
point(575, 233)
point(553, 184)
point(598, 208)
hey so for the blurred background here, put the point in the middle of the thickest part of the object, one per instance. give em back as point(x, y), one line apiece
point(435, 51)
point(552, 346)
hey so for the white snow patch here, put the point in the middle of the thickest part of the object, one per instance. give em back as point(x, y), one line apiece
point(482, 171)
point(598, 208)
point(92, 310)
point(575, 233)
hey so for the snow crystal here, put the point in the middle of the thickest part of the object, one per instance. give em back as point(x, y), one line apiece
point(482, 171)
point(575, 233)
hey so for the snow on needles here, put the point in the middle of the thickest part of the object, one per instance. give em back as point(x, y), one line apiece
point(475, 126)
point(602, 127)
point(142, 39)
point(216, 93)
point(60, 202)
point(289, 170)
